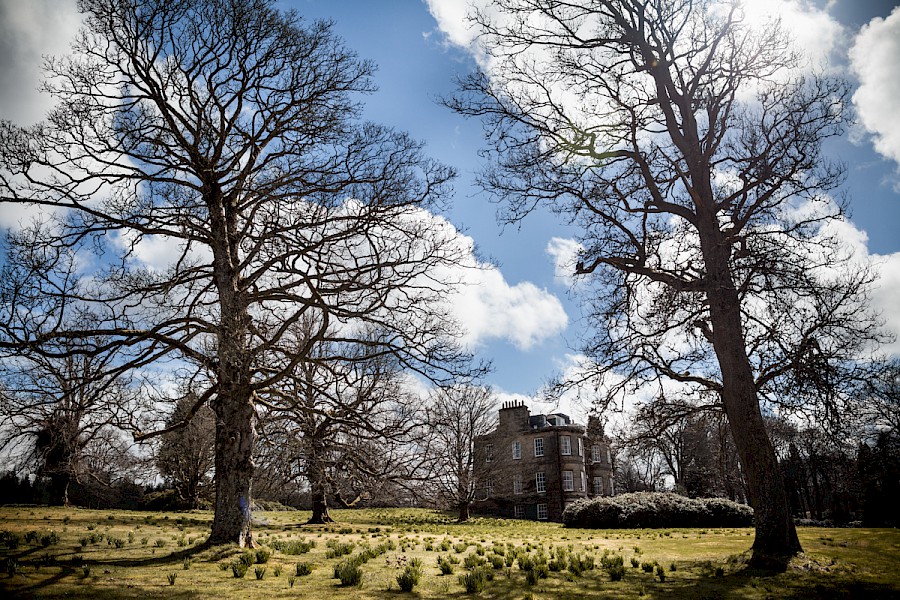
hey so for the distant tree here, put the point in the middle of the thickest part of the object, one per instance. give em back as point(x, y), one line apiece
point(342, 423)
point(58, 413)
point(456, 416)
point(185, 457)
point(693, 440)
point(688, 148)
point(224, 134)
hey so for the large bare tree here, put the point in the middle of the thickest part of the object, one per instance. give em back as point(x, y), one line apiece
point(687, 146)
point(207, 166)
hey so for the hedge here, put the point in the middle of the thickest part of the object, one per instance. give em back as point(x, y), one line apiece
point(655, 510)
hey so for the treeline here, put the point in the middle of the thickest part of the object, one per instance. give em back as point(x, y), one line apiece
point(833, 477)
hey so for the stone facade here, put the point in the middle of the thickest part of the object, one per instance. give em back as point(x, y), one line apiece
point(532, 466)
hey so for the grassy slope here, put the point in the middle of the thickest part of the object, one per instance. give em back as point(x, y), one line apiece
point(708, 563)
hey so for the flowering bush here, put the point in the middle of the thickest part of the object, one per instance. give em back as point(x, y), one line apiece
point(656, 510)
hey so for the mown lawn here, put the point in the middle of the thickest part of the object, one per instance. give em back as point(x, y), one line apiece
point(77, 553)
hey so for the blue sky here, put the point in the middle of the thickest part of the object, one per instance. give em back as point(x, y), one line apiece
point(418, 63)
point(420, 47)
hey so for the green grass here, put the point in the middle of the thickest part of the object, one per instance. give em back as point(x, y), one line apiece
point(100, 555)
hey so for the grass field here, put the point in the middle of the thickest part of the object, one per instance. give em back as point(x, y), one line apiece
point(77, 553)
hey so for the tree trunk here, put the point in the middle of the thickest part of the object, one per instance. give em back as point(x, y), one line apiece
point(463, 512)
point(235, 437)
point(776, 537)
point(233, 405)
point(59, 488)
point(320, 514)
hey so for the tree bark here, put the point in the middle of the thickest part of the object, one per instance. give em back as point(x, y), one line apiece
point(776, 537)
point(320, 514)
point(235, 413)
point(463, 512)
point(59, 488)
point(235, 437)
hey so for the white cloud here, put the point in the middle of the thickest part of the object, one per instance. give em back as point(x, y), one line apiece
point(29, 30)
point(886, 294)
point(489, 307)
point(811, 30)
point(565, 253)
point(874, 59)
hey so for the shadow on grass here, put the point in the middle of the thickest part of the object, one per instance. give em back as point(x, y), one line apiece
point(742, 584)
point(69, 569)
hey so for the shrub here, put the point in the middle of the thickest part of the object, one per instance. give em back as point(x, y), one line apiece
point(655, 510)
point(473, 561)
point(239, 568)
point(247, 558)
point(263, 555)
point(474, 581)
point(660, 572)
point(349, 573)
point(409, 578)
point(610, 561)
point(10, 539)
point(293, 547)
point(616, 573)
point(336, 549)
point(445, 565)
point(260, 572)
point(172, 577)
point(303, 568)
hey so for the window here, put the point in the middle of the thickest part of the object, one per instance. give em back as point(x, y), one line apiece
point(580, 447)
point(489, 487)
point(583, 487)
point(488, 452)
point(595, 454)
point(598, 486)
point(517, 450)
point(520, 511)
point(517, 484)
point(565, 445)
point(540, 483)
point(542, 511)
point(608, 457)
point(538, 446)
point(612, 489)
point(568, 481)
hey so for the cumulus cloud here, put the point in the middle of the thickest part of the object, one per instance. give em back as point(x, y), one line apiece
point(29, 30)
point(564, 252)
point(874, 59)
point(490, 308)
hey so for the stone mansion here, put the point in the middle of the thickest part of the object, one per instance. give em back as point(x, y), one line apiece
point(532, 466)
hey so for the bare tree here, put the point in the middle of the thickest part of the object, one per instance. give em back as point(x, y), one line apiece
point(58, 411)
point(343, 422)
point(692, 440)
point(687, 147)
point(456, 416)
point(186, 456)
point(223, 135)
